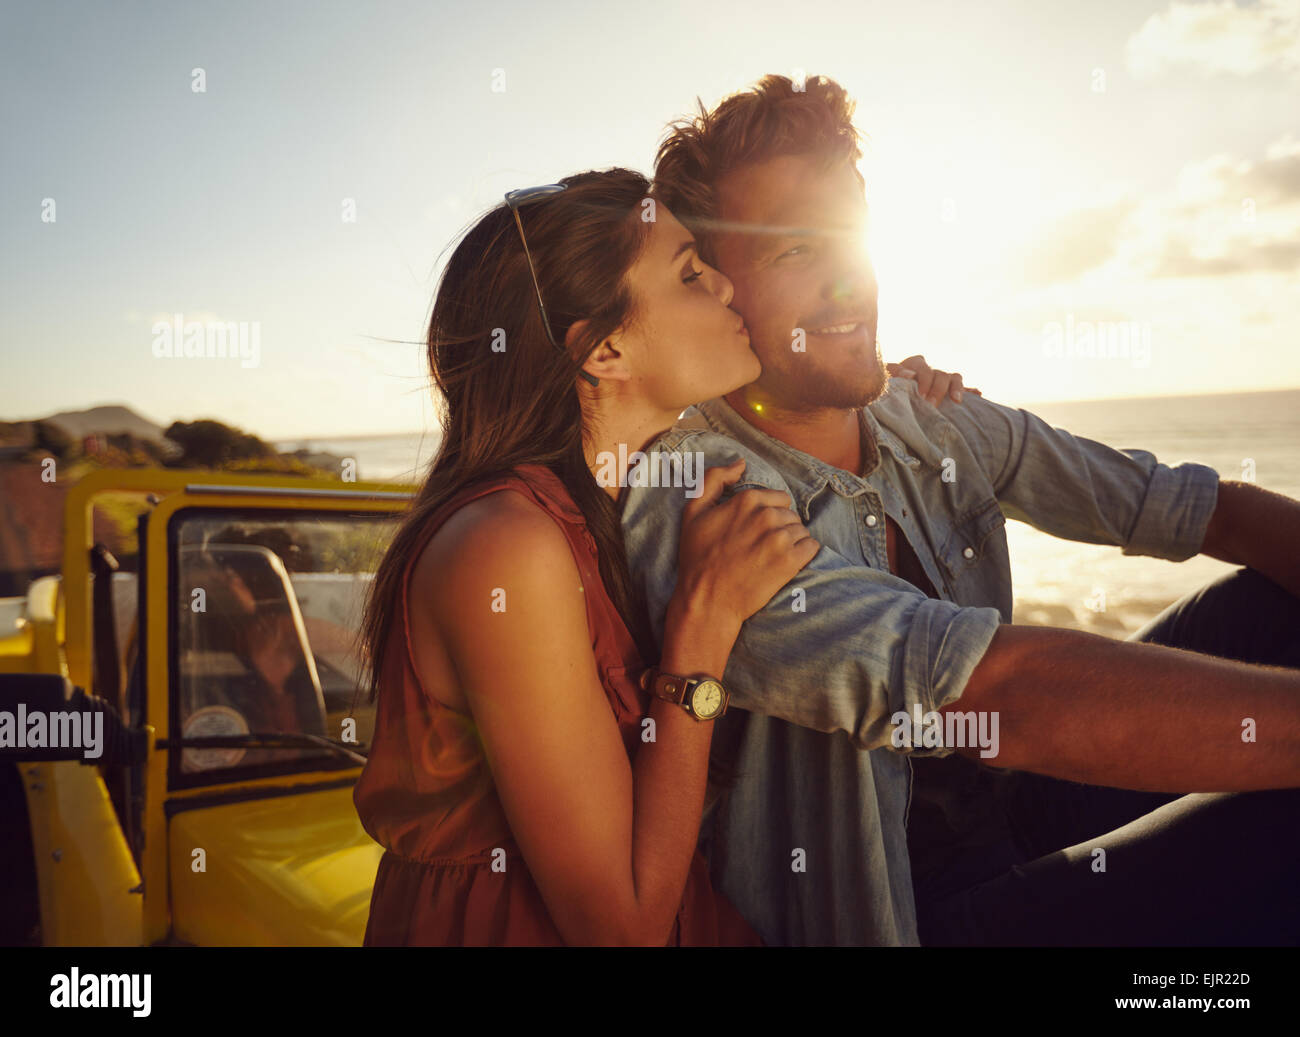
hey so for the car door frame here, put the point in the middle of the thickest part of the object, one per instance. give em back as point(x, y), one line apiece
point(207, 491)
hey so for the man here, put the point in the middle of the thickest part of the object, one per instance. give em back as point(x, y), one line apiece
point(905, 612)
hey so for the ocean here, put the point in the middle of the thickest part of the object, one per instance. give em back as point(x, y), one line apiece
point(1057, 583)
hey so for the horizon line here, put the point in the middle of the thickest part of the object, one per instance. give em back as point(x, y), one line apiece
point(430, 431)
point(1030, 405)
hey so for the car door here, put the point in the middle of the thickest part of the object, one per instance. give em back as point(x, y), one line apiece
point(253, 597)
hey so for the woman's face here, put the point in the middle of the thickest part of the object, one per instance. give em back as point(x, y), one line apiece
point(685, 344)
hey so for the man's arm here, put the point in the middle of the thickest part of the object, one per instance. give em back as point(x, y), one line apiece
point(842, 647)
point(1082, 707)
point(1259, 528)
point(1078, 489)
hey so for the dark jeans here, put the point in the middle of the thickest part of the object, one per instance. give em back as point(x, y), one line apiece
point(1219, 870)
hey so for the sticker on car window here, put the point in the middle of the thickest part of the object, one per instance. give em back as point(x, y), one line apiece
point(212, 722)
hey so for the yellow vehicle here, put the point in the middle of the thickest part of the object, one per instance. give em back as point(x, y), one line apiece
point(216, 806)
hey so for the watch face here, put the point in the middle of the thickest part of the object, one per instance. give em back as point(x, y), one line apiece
point(706, 700)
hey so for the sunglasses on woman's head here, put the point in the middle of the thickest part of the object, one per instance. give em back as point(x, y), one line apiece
point(524, 196)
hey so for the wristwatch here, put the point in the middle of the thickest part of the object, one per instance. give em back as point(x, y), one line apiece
point(704, 698)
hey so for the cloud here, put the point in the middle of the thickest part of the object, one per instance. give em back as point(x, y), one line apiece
point(1227, 216)
point(1212, 39)
point(1179, 259)
point(1222, 216)
point(1075, 244)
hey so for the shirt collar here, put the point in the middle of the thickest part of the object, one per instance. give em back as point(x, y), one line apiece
point(886, 438)
point(804, 474)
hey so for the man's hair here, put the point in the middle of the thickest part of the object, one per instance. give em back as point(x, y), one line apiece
point(771, 118)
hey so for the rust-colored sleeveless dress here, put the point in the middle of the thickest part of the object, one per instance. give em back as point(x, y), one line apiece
point(427, 796)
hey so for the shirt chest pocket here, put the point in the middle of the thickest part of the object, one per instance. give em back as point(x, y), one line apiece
point(965, 546)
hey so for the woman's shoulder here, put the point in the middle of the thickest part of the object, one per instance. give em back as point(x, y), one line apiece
point(499, 580)
point(504, 529)
point(537, 483)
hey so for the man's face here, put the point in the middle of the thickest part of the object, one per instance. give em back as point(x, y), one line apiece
point(806, 271)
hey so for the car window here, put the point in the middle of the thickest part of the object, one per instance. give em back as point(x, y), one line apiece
point(268, 612)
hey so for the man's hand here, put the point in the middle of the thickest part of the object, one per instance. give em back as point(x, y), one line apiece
point(931, 383)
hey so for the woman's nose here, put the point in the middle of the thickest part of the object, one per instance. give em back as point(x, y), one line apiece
point(723, 288)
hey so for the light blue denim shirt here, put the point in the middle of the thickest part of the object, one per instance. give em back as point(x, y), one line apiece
point(811, 844)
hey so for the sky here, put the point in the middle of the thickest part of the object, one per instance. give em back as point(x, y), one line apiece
point(1072, 200)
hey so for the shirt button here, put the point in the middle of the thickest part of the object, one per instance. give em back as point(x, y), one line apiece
point(969, 552)
point(871, 520)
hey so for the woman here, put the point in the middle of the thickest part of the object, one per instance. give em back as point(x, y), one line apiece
point(526, 787)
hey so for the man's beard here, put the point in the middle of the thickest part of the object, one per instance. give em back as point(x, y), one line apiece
point(810, 387)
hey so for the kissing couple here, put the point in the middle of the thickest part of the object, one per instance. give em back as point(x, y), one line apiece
point(615, 712)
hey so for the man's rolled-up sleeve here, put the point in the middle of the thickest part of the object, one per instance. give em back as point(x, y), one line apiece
point(841, 647)
point(1078, 489)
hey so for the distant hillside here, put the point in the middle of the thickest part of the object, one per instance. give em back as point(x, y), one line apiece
point(104, 421)
point(31, 519)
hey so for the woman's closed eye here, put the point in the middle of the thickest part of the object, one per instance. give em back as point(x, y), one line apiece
point(695, 275)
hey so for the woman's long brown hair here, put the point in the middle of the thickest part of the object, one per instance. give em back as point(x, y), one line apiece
point(519, 405)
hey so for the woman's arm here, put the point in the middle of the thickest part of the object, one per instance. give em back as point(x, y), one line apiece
point(608, 844)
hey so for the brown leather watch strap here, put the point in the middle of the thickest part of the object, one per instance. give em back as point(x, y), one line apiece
point(666, 686)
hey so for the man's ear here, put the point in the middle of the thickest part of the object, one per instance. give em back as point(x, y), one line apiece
point(608, 361)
